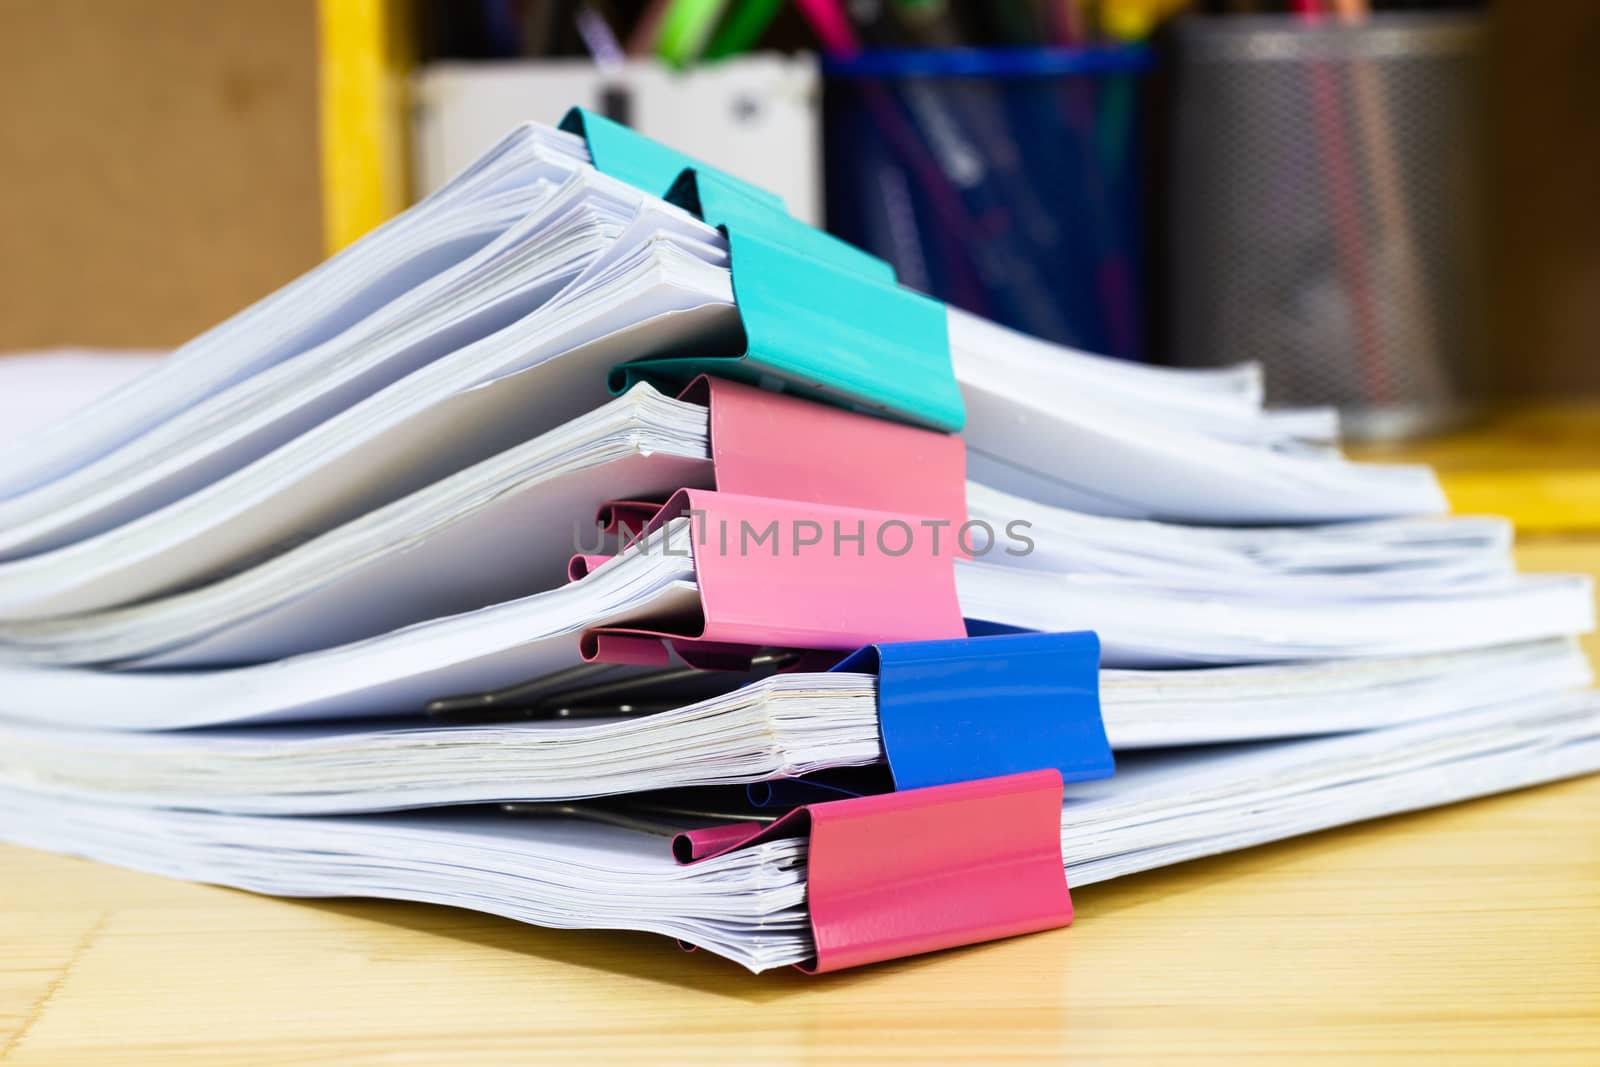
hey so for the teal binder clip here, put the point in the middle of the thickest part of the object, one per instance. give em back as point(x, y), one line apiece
point(619, 152)
point(821, 318)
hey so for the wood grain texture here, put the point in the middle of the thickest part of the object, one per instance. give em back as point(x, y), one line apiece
point(1467, 932)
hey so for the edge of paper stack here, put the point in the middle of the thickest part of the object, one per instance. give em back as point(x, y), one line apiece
point(595, 545)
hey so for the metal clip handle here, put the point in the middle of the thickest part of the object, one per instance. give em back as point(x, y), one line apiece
point(612, 698)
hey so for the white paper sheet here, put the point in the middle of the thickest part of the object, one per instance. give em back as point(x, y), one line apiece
point(778, 727)
point(1140, 624)
point(400, 672)
point(445, 228)
point(1167, 624)
point(446, 416)
point(566, 871)
point(504, 528)
point(44, 387)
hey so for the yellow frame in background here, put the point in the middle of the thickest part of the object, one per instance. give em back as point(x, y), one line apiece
point(366, 51)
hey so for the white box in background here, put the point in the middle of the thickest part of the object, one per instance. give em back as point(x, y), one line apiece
point(754, 116)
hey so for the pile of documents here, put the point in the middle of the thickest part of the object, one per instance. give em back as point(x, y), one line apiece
point(596, 545)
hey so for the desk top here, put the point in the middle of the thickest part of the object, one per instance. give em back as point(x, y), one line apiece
point(1471, 932)
point(1539, 465)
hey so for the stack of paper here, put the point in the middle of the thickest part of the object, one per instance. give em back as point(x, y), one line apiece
point(266, 583)
point(506, 526)
point(522, 641)
point(780, 727)
point(570, 866)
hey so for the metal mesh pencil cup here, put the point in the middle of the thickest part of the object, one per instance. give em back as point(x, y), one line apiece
point(1324, 213)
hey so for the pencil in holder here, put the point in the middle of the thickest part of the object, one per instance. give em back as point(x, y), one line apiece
point(1008, 182)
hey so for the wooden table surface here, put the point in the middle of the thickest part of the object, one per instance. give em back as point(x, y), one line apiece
point(1538, 464)
point(1465, 935)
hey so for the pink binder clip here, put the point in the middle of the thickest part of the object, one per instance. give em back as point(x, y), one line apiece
point(790, 574)
point(900, 874)
point(778, 445)
point(781, 446)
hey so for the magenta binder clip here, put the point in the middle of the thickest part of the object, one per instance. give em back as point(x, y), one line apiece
point(789, 574)
point(772, 444)
point(900, 874)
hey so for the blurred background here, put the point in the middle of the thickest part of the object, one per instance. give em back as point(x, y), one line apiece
point(1392, 205)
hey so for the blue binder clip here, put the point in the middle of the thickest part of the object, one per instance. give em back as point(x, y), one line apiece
point(821, 317)
point(982, 707)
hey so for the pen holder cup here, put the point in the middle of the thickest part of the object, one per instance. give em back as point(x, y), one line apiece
point(1007, 182)
point(1324, 213)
